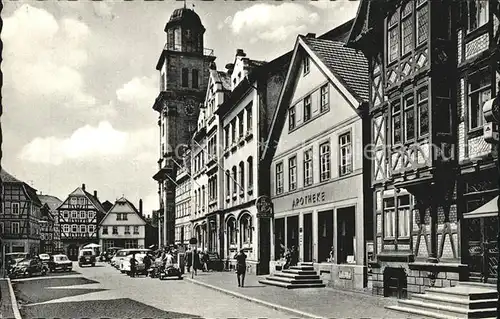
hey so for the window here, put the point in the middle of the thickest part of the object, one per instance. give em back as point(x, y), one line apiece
point(423, 112)
point(118, 216)
point(235, 184)
point(185, 77)
point(308, 168)
point(127, 230)
point(389, 218)
point(83, 229)
point(177, 45)
point(136, 230)
point(409, 117)
point(231, 231)
point(324, 98)
point(345, 148)
point(66, 228)
point(73, 200)
point(307, 108)
point(242, 176)
point(74, 228)
point(393, 38)
point(81, 201)
point(203, 197)
point(65, 215)
point(396, 122)
point(479, 92)
point(292, 173)
point(404, 216)
point(91, 228)
point(14, 228)
point(105, 230)
point(195, 200)
point(279, 178)
point(15, 208)
point(194, 78)
point(240, 124)
point(233, 131)
point(115, 230)
point(74, 214)
point(307, 65)
point(249, 118)
point(422, 22)
point(91, 215)
point(1, 228)
point(324, 161)
point(291, 118)
point(82, 214)
point(250, 172)
point(228, 183)
point(478, 14)
point(246, 229)
point(407, 28)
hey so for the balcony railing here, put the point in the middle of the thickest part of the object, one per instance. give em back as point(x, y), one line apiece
point(206, 51)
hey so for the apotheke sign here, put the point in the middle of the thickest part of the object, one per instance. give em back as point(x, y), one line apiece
point(308, 199)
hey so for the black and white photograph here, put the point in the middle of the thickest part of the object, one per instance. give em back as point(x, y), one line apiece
point(249, 159)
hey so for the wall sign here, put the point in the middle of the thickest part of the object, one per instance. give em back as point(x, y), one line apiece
point(308, 199)
point(345, 274)
point(264, 207)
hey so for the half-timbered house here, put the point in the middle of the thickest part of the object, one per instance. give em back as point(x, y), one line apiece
point(426, 130)
point(79, 216)
point(50, 232)
point(19, 215)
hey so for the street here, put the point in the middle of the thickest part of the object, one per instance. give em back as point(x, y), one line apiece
point(103, 292)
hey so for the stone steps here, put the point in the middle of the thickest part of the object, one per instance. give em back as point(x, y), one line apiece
point(300, 276)
point(465, 300)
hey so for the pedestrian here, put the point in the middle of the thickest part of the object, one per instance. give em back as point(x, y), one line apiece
point(147, 263)
point(204, 260)
point(196, 262)
point(288, 259)
point(295, 256)
point(188, 260)
point(133, 265)
point(241, 267)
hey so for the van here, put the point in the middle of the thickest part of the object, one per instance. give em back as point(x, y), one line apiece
point(86, 257)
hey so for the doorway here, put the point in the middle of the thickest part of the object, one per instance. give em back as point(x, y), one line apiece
point(307, 233)
point(279, 238)
point(483, 249)
point(345, 233)
point(325, 235)
point(292, 228)
point(72, 252)
point(395, 282)
point(265, 245)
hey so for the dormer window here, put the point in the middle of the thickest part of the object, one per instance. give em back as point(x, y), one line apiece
point(306, 65)
point(478, 14)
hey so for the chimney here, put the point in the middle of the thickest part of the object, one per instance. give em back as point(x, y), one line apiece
point(95, 193)
point(311, 35)
point(83, 186)
point(240, 52)
point(230, 68)
point(140, 206)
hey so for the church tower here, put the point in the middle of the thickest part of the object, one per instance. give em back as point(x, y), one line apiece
point(184, 71)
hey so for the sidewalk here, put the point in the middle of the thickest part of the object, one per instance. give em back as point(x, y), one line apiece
point(310, 302)
point(8, 307)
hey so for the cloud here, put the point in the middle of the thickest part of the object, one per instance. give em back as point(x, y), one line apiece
point(102, 142)
point(44, 58)
point(103, 9)
point(335, 12)
point(272, 22)
point(139, 92)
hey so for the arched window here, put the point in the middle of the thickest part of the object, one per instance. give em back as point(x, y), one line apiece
point(231, 231)
point(246, 229)
point(250, 172)
point(242, 177)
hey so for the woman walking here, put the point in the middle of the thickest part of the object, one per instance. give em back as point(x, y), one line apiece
point(241, 267)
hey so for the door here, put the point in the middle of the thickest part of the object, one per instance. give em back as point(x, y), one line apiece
point(345, 233)
point(325, 235)
point(483, 249)
point(307, 233)
point(265, 245)
point(292, 229)
point(72, 252)
point(279, 238)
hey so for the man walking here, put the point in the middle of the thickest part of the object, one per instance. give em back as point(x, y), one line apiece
point(241, 267)
point(133, 265)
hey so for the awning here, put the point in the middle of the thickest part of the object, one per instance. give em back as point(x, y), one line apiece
point(487, 210)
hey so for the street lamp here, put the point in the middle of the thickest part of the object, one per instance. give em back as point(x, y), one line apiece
point(491, 111)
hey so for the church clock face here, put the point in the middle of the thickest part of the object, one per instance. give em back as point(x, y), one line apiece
point(189, 108)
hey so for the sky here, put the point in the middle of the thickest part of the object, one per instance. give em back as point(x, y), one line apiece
point(80, 82)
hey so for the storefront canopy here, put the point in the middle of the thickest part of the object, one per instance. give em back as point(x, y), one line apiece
point(487, 210)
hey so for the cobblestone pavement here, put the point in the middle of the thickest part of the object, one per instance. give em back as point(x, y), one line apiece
point(103, 292)
point(321, 302)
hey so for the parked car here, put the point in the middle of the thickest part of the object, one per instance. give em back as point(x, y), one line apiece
point(13, 258)
point(60, 262)
point(109, 253)
point(140, 267)
point(28, 268)
point(86, 257)
point(124, 254)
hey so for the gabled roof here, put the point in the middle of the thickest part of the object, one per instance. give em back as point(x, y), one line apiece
point(30, 191)
point(80, 192)
point(123, 200)
point(338, 63)
point(7, 178)
point(46, 212)
point(349, 66)
point(51, 201)
point(225, 79)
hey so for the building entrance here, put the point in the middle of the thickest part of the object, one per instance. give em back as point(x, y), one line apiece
point(345, 233)
point(292, 229)
point(307, 233)
point(279, 238)
point(325, 235)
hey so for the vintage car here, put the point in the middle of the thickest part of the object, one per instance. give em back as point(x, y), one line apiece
point(125, 254)
point(86, 257)
point(60, 262)
point(140, 267)
point(28, 268)
point(13, 258)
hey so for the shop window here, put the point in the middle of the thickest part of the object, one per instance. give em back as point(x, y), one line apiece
point(478, 14)
point(345, 234)
point(279, 178)
point(479, 92)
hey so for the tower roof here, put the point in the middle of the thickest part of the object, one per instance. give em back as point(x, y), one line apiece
point(184, 16)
